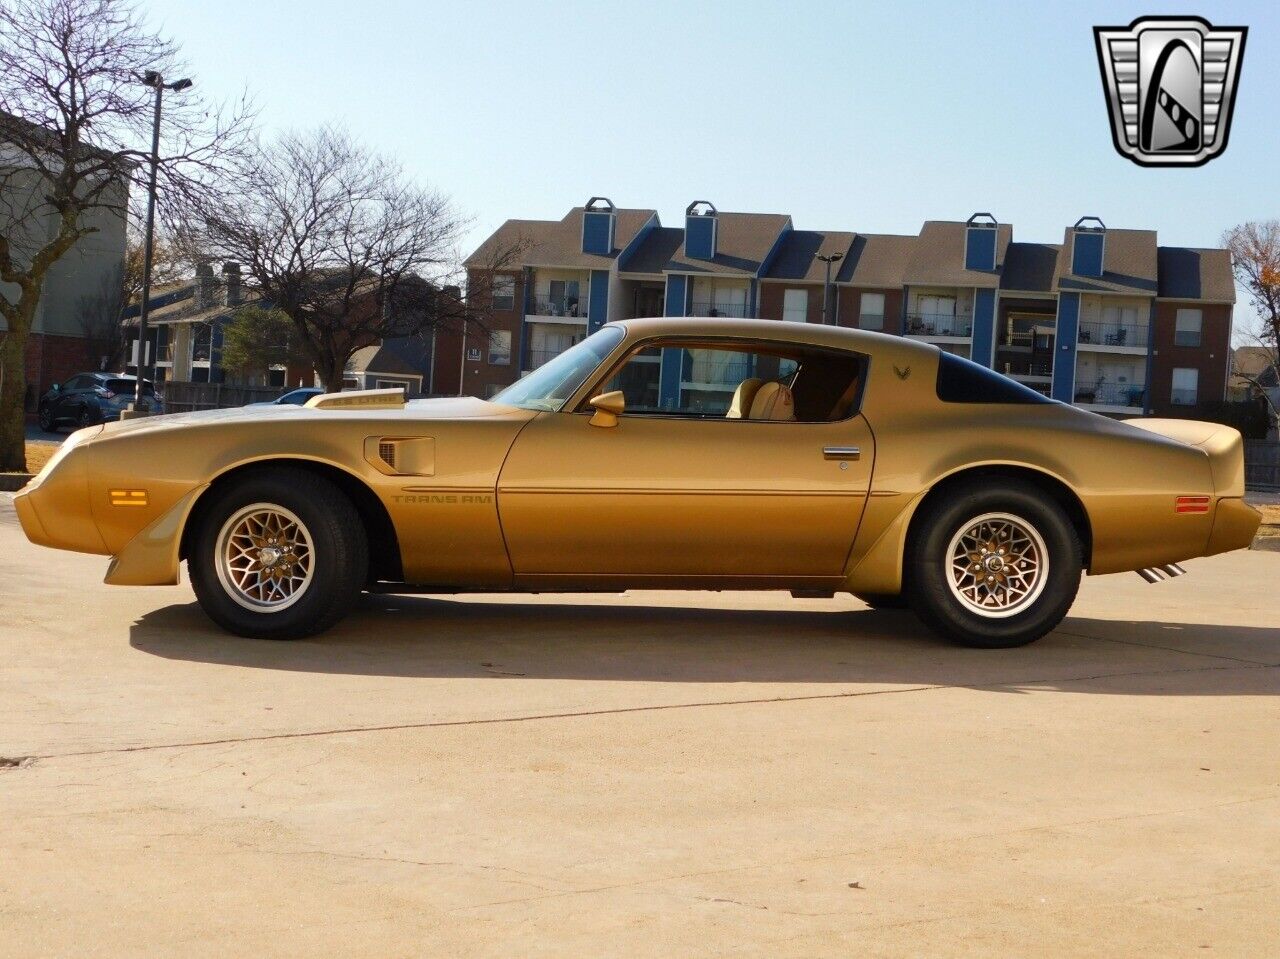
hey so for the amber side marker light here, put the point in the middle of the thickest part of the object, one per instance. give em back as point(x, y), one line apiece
point(128, 497)
point(1191, 504)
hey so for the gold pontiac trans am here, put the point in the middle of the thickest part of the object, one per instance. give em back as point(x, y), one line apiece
point(657, 453)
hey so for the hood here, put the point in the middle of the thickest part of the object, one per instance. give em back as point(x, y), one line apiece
point(449, 408)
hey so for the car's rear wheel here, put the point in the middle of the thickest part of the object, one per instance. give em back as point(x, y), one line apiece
point(278, 554)
point(86, 416)
point(994, 565)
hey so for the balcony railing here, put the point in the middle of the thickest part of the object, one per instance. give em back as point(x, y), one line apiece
point(1027, 367)
point(1114, 334)
point(703, 308)
point(939, 324)
point(1112, 394)
point(539, 357)
point(569, 306)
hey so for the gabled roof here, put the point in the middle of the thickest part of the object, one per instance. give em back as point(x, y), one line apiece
point(938, 259)
point(743, 240)
point(654, 251)
point(797, 258)
point(1030, 267)
point(557, 242)
point(1128, 265)
point(1193, 273)
point(877, 260)
point(380, 358)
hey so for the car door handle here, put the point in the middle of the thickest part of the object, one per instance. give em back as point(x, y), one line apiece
point(841, 452)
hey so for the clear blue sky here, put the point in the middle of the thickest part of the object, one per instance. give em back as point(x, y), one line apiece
point(870, 117)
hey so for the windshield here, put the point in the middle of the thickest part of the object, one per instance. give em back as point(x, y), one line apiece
point(549, 387)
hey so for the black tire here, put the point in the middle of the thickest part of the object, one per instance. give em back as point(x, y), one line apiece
point(338, 545)
point(1013, 621)
point(45, 418)
point(86, 417)
point(885, 600)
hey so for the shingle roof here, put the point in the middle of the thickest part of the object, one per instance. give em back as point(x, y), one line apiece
point(743, 240)
point(877, 260)
point(1128, 265)
point(1029, 267)
point(797, 259)
point(557, 242)
point(380, 359)
point(938, 259)
point(1191, 273)
point(654, 252)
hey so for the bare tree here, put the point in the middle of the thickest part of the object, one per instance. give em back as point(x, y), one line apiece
point(74, 136)
point(1255, 258)
point(341, 241)
point(103, 314)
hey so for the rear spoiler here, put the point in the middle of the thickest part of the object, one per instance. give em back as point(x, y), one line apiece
point(359, 400)
point(1222, 444)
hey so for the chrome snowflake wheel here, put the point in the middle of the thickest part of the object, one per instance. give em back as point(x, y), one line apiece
point(997, 565)
point(264, 557)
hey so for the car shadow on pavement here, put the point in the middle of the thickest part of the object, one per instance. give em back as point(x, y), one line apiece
point(414, 636)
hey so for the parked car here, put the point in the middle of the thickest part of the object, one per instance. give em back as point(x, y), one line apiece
point(91, 398)
point(296, 397)
point(659, 453)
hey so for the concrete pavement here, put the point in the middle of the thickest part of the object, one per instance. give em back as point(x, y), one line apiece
point(647, 774)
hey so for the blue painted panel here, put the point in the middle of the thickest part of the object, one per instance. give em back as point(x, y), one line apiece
point(598, 305)
point(597, 232)
point(980, 248)
point(1086, 254)
point(700, 237)
point(984, 327)
point(1064, 347)
point(650, 225)
point(669, 377)
point(753, 298)
point(526, 308)
point(1151, 358)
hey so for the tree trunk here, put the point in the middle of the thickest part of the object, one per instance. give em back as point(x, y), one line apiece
point(332, 374)
point(13, 389)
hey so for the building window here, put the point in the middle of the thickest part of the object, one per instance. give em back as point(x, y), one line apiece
point(795, 306)
point(504, 292)
point(1187, 329)
point(500, 348)
point(871, 311)
point(1186, 382)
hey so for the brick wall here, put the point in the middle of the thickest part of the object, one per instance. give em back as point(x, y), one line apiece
point(50, 359)
point(479, 377)
point(850, 308)
point(1210, 357)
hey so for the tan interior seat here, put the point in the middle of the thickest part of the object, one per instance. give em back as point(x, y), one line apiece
point(773, 402)
point(743, 396)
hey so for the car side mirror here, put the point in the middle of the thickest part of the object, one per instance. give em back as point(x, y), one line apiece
point(57, 387)
point(608, 407)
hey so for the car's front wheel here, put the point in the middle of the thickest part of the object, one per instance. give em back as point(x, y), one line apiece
point(994, 565)
point(278, 554)
point(45, 418)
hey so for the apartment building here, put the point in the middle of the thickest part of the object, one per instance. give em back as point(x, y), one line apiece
point(1107, 319)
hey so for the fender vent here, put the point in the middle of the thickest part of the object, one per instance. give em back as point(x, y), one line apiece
point(387, 453)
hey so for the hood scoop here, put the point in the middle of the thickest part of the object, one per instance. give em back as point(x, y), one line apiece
point(359, 400)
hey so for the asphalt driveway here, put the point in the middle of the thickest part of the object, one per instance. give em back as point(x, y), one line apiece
point(649, 774)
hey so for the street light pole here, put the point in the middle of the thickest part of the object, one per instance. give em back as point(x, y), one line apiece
point(826, 285)
point(150, 79)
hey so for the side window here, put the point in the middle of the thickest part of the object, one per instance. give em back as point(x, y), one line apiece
point(78, 383)
point(713, 381)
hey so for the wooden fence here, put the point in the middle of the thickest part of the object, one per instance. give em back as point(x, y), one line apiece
point(1262, 464)
point(183, 397)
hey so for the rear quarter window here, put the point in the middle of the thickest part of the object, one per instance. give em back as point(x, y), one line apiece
point(963, 381)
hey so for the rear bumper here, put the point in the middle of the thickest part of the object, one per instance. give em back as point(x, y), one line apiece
point(1235, 523)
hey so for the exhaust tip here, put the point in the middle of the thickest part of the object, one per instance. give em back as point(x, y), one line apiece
point(1172, 569)
point(1150, 574)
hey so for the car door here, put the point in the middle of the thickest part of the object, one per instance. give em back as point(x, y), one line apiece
point(71, 398)
point(677, 490)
